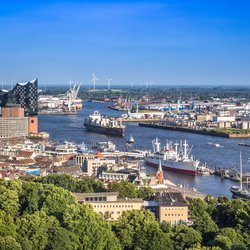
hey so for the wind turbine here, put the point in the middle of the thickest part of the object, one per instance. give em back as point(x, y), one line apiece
point(94, 79)
point(109, 80)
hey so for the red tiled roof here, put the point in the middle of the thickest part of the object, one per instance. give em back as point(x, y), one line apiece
point(25, 154)
point(4, 164)
point(21, 162)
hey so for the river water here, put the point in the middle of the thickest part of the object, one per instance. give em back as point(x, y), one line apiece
point(70, 128)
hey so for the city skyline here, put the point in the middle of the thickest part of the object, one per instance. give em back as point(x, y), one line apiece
point(162, 42)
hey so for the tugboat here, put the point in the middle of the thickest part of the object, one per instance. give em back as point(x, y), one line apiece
point(238, 191)
point(244, 144)
point(104, 125)
point(131, 140)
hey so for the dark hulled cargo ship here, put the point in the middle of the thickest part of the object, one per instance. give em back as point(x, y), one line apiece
point(104, 125)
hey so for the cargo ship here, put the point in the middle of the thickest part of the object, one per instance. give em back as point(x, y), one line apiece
point(104, 125)
point(173, 158)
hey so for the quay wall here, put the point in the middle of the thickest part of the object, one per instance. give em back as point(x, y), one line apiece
point(57, 113)
point(140, 120)
point(196, 131)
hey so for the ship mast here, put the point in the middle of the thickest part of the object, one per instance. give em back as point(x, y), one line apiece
point(240, 170)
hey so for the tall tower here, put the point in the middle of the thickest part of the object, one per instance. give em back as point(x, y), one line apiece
point(159, 173)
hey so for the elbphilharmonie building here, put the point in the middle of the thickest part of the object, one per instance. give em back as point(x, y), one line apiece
point(25, 94)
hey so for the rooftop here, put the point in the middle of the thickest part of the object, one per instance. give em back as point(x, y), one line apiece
point(80, 196)
point(171, 199)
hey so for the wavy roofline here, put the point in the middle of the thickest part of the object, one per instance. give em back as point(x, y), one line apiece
point(25, 83)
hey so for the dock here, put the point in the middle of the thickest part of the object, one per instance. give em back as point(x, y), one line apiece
point(191, 130)
point(140, 120)
point(57, 113)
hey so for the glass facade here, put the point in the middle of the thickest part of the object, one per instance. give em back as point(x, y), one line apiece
point(25, 94)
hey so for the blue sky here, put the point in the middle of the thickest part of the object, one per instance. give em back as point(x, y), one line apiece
point(191, 42)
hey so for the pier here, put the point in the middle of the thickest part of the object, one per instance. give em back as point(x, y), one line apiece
point(57, 113)
point(141, 120)
point(191, 130)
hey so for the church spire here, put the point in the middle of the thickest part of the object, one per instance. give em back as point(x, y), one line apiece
point(159, 173)
point(159, 166)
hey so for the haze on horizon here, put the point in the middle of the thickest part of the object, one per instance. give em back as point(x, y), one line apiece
point(165, 42)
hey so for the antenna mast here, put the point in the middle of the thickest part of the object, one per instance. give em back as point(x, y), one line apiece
point(240, 170)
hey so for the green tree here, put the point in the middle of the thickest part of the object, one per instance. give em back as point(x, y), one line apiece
point(92, 231)
point(9, 201)
point(65, 181)
point(9, 243)
point(211, 202)
point(206, 226)
point(60, 238)
point(145, 193)
point(138, 229)
point(29, 197)
point(197, 207)
point(124, 188)
point(229, 238)
point(55, 200)
point(165, 227)
point(223, 242)
point(7, 225)
point(70, 183)
point(33, 230)
point(89, 185)
point(185, 237)
point(235, 213)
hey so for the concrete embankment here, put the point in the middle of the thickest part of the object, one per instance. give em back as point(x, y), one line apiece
point(139, 120)
point(196, 131)
point(56, 113)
